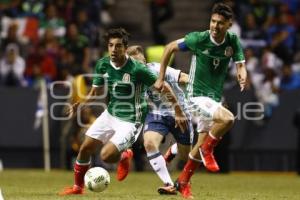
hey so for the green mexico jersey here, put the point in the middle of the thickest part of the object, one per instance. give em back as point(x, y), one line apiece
point(126, 87)
point(209, 68)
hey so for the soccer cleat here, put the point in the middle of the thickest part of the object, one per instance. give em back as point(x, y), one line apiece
point(169, 156)
point(71, 190)
point(185, 189)
point(167, 189)
point(124, 164)
point(206, 152)
point(209, 160)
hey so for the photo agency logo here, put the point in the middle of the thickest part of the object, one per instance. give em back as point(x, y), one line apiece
point(252, 111)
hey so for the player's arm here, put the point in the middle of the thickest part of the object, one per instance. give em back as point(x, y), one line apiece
point(97, 88)
point(148, 78)
point(168, 51)
point(180, 117)
point(241, 74)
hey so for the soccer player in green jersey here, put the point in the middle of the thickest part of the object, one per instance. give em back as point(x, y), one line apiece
point(212, 51)
point(125, 81)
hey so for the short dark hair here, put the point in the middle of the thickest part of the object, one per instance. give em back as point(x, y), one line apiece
point(223, 9)
point(117, 33)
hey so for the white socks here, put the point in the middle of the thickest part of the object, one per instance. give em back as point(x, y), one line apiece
point(174, 149)
point(158, 164)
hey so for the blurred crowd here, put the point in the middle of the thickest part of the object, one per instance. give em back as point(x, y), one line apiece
point(51, 39)
point(269, 32)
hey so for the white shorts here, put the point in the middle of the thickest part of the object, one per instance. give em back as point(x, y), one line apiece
point(109, 128)
point(202, 110)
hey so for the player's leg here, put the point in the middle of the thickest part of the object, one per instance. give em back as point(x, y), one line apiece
point(222, 121)
point(82, 164)
point(184, 143)
point(194, 161)
point(171, 153)
point(96, 135)
point(110, 153)
point(117, 149)
point(152, 142)
point(156, 127)
point(183, 151)
point(208, 112)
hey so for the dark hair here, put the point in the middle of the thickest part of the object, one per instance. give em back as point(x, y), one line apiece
point(223, 9)
point(117, 33)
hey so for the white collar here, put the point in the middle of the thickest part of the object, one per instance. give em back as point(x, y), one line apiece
point(117, 68)
point(214, 41)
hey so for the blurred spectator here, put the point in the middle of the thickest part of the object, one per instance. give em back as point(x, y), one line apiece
point(105, 14)
point(161, 11)
point(262, 12)
point(51, 43)
point(292, 5)
point(267, 91)
point(281, 37)
point(12, 37)
point(87, 28)
point(296, 64)
point(52, 20)
point(236, 28)
point(67, 66)
point(94, 8)
point(40, 66)
point(251, 61)
point(9, 8)
point(270, 60)
point(78, 45)
point(289, 80)
point(250, 29)
point(12, 67)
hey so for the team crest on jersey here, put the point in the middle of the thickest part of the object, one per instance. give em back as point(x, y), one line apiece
point(228, 51)
point(126, 78)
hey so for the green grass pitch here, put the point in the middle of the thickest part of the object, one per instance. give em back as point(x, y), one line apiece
point(38, 185)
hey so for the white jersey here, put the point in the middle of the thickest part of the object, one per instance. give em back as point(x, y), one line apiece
point(157, 103)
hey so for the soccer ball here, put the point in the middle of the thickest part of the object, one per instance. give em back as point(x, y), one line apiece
point(96, 179)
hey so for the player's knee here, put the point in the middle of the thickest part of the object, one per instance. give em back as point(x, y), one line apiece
point(149, 145)
point(229, 119)
point(110, 153)
point(86, 149)
point(106, 156)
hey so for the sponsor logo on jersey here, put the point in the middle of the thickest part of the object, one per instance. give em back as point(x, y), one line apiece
point(228, 51)
point(105, 75)
point(206, 52)
point(126, 78)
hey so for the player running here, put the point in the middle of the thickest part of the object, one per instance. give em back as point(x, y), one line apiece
point(115, 129)
point(213, 50)
point(160, 121)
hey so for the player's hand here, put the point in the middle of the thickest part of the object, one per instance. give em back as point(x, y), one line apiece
point(158, 85)
point(181, 120)
point(242, 83)
point(242, 75)
point(72, 110)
